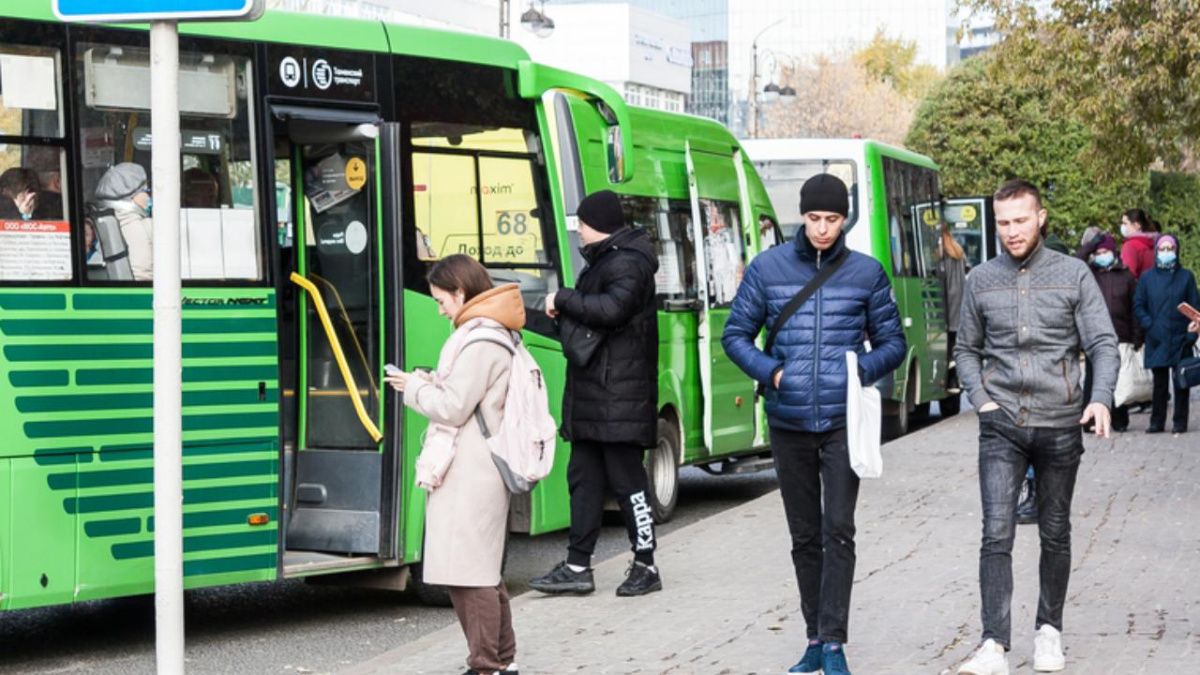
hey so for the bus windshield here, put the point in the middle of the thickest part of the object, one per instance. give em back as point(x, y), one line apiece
point(783, 179)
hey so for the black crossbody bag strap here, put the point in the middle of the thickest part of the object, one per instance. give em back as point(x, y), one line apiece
point(799, 299)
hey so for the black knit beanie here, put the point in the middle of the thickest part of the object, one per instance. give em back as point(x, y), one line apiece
point(602, 211)
point(824, 192)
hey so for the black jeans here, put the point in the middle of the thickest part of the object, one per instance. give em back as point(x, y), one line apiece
point(822, 541)
point(1158, 404)
point(594, 470)
point(1005, 452)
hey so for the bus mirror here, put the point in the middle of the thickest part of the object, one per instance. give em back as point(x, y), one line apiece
point(534, 80)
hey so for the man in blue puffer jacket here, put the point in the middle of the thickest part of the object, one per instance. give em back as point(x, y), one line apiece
point(805, 377)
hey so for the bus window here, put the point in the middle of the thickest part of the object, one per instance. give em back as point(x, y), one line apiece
point(219, 238)
point(783, 179)
point(35, 237)
point(669, 223)
point(723, 250)
point(901, 217)
point(927, 215)
point(475, 193)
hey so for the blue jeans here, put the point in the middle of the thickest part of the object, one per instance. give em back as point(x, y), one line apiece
point(1006, 451)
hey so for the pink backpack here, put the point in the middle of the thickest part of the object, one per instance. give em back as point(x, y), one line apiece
point(523, 446)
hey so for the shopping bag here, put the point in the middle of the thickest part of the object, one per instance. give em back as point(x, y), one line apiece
point(1135, 384)
point(864, 417)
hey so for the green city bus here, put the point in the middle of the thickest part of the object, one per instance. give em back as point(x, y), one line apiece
point(895, 212)
point(327, 162)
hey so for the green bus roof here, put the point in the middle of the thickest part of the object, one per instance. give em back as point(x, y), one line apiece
point(331, 32)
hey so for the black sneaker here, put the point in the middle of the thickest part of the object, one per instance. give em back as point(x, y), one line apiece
point(1179, 429)
point(639, 580)
point(1154, 429)
point(562, 579)
point(511, 670)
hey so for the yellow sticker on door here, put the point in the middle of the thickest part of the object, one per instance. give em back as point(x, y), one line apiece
point(356, 173)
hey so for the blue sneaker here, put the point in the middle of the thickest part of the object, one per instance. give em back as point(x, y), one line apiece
point(833, 659)
point(811, 663)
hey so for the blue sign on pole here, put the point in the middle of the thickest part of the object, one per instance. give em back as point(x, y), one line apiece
point(117, 11)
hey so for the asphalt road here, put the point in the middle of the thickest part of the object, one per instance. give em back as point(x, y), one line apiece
point(294, 627)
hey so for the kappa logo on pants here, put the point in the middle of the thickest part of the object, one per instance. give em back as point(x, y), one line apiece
point(644, 520)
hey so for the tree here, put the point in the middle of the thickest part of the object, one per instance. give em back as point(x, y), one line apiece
point(1129, 67)
point(873, 92)
point(984, 125)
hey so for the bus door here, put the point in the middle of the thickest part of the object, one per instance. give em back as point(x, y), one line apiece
point(718, 235)
point(974, 228)
point(340, 485)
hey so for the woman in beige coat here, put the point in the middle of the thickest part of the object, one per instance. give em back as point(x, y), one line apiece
point(466, 515)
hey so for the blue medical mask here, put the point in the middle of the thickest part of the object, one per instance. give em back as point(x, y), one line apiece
point(1103, 260)
point(149, 206)
point(1166, 258)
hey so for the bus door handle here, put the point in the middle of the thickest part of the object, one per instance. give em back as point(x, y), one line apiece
point(339, 355)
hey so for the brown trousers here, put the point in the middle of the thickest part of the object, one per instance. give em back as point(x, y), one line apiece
point(486, 621)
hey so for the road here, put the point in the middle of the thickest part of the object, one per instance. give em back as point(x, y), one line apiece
point(294, 627)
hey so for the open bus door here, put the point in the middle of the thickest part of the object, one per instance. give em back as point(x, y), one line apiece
point(340, 486)
point(729, 410)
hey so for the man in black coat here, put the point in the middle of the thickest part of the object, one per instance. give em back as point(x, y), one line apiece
point(610, 405)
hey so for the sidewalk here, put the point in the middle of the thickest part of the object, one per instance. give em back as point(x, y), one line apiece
point(730, 604)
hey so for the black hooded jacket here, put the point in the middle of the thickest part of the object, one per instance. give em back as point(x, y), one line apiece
point(614, 399)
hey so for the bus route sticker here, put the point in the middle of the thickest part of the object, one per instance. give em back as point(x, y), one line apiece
point(35, 250)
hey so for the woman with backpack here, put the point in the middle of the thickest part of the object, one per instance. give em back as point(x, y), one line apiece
point(1159, 292)
point(466, 515)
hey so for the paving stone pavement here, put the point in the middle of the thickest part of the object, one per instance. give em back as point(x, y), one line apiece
point(730, 606)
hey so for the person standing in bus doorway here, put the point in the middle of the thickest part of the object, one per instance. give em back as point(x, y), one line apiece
point(466, 515)
point(1027, 313)
point(610, 404)
point(1138, 234)
point(1168, 341)
point(804, 377)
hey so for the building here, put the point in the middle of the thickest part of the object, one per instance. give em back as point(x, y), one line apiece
point(646, 56)
point(708, 21)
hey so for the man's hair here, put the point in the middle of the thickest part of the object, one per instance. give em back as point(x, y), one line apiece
point(16, 180)
point(460, 272)
point(1012, 189)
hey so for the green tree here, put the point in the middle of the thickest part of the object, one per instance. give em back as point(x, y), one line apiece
point(1128, 67)
point(985, 125)
point(894, 62)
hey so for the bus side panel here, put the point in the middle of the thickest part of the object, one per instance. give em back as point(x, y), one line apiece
point(5, 531)
point(76, 372)
point(551, 499)
point(679, 378)
point(43, 569)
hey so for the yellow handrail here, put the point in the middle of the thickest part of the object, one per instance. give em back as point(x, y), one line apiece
point(351, 387)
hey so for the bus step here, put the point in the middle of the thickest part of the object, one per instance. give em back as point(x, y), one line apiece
point(736, 465)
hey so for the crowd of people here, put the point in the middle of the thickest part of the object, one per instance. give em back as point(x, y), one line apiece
point(1017, 325)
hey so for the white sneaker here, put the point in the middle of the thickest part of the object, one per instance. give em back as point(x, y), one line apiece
point(989, 659)
point(1047, 650)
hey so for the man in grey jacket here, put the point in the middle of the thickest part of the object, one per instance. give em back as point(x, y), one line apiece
point(1026, 315)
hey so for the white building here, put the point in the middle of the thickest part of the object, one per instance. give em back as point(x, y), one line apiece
point(644, 55)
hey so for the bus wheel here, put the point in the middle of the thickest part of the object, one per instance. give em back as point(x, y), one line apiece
point(896, 425)
point(429, 594)
point(662, 470)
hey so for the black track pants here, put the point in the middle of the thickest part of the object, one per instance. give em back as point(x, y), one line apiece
point(595, 470)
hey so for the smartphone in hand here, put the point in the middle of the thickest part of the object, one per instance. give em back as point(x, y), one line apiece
point(1190, 312)
point(390, 369)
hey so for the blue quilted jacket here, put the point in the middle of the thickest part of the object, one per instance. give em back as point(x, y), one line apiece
point(854, 305)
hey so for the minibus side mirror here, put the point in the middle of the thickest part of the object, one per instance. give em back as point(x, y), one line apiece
point(534, 80)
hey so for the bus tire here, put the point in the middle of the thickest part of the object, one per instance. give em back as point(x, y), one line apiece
point(896, 424)
point(662, 472)
point(429, 594)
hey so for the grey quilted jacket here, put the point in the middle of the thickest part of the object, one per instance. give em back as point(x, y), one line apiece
point(1022, 327)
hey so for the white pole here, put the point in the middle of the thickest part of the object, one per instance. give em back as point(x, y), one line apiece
point(168, 370)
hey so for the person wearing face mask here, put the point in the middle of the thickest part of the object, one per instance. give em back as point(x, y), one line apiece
point(1138, 233)
point(124, 189)
point(1118, 287)
point(1159, 292)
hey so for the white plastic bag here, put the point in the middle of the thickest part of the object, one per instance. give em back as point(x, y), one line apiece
point(1135, 384)
point(864, 419)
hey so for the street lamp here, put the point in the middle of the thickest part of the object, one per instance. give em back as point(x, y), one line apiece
point(536, 22)
point(753, 103)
